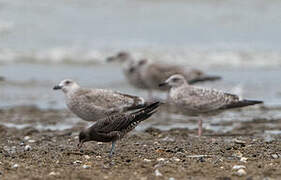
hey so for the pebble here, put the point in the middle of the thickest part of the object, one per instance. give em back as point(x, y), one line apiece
point(98, 157)
point(77, 162)
point(157, 173)
point(22, 144)
point(236, 167)
point(26, 138)
point(160, 159)
point(237, 154)
point(15, 166)
point(87, 157)
point(31, 141)
point(53, 173)
point(274, 156)
point(172, 178)
point(176, 159)
point(241, 172)
point(237, 141)
point(27, 148)
point(243, 159)
point(85, 166)
point(99, 143)
point(147, 160)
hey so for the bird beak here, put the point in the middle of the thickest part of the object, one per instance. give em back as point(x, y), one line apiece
point(57, 87)
point(163, 84)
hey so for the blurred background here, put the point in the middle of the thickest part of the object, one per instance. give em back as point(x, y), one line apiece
point(43, 42)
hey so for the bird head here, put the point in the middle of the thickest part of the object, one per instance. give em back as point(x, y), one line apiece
point(66, 85)
point(174, 81)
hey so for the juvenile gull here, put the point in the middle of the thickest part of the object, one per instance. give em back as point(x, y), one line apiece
point(114, 127)
point(94, 104)
point(130, 69)
point(196, 101)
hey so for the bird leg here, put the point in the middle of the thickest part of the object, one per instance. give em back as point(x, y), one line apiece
point(199, 126)
point(149, 95)
point(112, 148)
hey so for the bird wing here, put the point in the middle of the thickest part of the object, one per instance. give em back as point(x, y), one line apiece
point(108, 100)
point(200, 99)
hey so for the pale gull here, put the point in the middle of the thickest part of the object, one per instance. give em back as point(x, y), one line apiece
point(130, 69)
point(196, 101)
point(114, 127)
point(154, 73)
point(94, 104)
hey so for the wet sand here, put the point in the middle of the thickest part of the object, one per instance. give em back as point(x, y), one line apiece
point(149, 154)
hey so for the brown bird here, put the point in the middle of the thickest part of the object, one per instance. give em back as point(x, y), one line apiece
point(196, 101)
point(114, 127)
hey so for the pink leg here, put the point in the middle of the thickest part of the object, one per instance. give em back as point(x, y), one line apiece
point(150, 94)
point(200, 127)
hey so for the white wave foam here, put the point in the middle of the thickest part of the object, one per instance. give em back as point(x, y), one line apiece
point(184, 56)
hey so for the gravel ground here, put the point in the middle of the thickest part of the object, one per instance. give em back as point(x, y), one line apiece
point(244, 153)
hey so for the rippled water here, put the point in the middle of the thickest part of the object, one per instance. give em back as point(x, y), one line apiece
point(212, 32)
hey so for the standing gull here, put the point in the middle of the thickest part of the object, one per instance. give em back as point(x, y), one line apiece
point(129, 69)
point(94, 104)
point(114, 127)
point(196, 101)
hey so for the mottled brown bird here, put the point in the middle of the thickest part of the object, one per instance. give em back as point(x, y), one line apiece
point(114, 127)
point(196, 101)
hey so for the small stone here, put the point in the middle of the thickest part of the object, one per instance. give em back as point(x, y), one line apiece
point(26, 138)
point(236, 167)
point(243, 159)
point(237, 154)
point(27, 148)
point(99, 143)
point(85, 166)
point(87, 157)
point(171, 178)
point(147, 160)
point(77, 162)
point(237, 141)
point(274, 156)
point(176, 159)
point(54, 173)
point(156, 143)
point(31, 141)
point(157, 173)
point(241, 172)
point(22, 144)
point(98, 157)
point(160, 159)
point(15, 166)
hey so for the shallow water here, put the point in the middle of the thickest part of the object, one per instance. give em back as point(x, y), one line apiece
point(33, 87)
point(211, 32)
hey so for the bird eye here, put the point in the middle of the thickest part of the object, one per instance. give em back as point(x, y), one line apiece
point(175, 79)
point(67, 82)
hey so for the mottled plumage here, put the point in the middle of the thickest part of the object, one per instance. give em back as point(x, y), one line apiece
point(199, 101)
point(94, 104)
point(114, 127)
